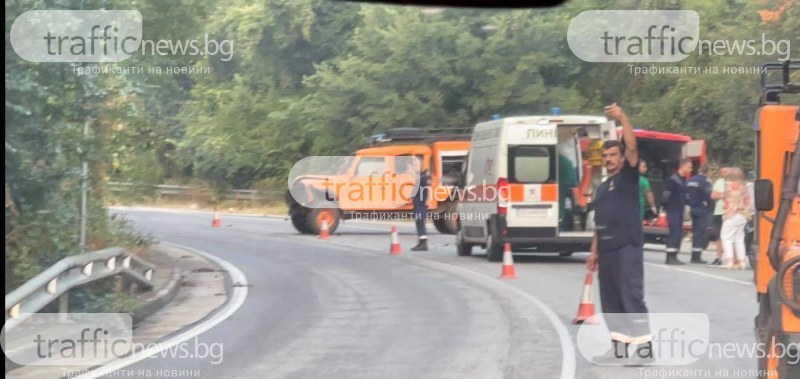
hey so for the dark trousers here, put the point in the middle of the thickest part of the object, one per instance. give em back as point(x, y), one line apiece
point(675, 223)
point(621, 281)
point(701, 216)
point(420, 216)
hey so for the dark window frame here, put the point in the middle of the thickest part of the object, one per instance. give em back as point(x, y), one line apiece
point(513, 153)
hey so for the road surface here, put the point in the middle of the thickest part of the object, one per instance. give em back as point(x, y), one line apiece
point(345, 308)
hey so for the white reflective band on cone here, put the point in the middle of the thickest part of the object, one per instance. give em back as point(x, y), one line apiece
point(588, 295)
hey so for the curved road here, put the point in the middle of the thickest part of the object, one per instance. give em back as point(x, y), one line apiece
point(344, 308)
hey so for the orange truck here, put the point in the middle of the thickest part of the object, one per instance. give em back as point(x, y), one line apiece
point(314, 197)
point(777, 200)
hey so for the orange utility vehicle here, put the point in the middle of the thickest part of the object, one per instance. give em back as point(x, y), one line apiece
point(442, 151)
point(777, 271)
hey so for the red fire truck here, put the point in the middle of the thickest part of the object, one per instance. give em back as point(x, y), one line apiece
point(663, 151)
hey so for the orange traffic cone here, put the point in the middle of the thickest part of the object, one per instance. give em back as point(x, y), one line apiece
point(323, 230)
point(216, 222)
point(509, 272)
point(586, 308)
point(395, 248)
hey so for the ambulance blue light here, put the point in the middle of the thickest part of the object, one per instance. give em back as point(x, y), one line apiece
point(555, 111)
point(496, 116)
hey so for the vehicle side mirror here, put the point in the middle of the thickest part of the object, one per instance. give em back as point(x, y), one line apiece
point(764, 195)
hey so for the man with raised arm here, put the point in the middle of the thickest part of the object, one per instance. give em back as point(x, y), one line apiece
point(617, 249)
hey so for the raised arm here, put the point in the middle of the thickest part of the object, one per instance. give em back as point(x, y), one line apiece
point(615, 112)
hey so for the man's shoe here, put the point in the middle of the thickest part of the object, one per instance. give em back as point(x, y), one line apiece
point(421, 246)
point(617, 354)
point(672, 259)
point(696, 258)
point(643, 356)
point(716, 262)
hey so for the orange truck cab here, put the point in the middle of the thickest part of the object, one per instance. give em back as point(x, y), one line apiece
point(777, 201)
point(442, 152)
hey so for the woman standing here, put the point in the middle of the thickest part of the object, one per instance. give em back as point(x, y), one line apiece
point(736, 212)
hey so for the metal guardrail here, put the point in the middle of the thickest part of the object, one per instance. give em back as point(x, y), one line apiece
point(70, 272)
point(176, 190)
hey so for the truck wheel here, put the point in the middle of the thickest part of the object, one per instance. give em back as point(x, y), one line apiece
point(449, 224)
point(463, 248)
point(778, 366)
point(494, 251)
point(300, 222)
point(316, 215)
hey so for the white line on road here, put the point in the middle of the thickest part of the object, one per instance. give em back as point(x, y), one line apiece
point(238, 295)
point(695, 272)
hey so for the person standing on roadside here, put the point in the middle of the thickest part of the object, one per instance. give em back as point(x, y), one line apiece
point(646, 199)
point(420, 201)
point(674, 200)
point(750, 229)
point(717, 192)
point(737, 211)
point(617, 249)
point(698, 195)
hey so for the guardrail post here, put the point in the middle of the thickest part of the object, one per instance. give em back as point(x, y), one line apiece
point(63, 306)
point(119, 284)
point(133, 287)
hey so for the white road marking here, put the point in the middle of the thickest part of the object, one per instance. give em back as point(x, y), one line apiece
point(700, 273)
point(238, 295)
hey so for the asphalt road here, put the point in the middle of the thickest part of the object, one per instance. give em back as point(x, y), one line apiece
point(345, 308)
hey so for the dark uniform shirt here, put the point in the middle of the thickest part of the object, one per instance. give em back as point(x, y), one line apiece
point(675, 193)
point(698, 192)
point(616, 210)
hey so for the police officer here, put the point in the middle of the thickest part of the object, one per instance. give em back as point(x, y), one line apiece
point(421, 203)
point(617, 249)
point(674, 201)
point(698, 195)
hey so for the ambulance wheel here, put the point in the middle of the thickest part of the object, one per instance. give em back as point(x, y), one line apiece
point(494, 251)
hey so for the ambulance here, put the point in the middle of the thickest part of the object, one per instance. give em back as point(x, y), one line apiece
point(529, 182)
